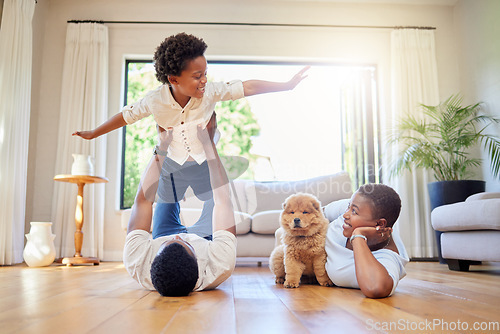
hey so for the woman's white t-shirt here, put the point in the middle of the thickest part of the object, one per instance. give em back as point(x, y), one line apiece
point(340, 260)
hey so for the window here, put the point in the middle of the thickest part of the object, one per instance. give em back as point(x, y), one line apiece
point(307, 132)
point(140, 137)
point(360, 127)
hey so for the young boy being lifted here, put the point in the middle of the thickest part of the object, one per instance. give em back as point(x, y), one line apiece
point(184, 100)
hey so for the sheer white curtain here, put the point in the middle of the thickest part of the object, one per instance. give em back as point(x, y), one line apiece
point(15, 97)
point(83, 107)
point(360, 127)
point(415, 82)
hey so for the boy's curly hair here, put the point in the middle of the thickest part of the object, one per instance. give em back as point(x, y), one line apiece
point(172, 55)
point(174, 272)
point(386, 202)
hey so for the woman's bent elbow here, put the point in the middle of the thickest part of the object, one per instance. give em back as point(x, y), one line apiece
point(377, 290)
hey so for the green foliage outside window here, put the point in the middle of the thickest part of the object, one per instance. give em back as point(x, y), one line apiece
point(140, 137)
point(235, 121)
point(237, 125)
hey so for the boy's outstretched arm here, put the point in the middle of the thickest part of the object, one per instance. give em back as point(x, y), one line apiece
point(223, 216)
point(115, 122)
point(254, 87)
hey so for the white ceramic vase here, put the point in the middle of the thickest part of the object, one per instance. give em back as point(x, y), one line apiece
point(39, 250)
point(82, 165)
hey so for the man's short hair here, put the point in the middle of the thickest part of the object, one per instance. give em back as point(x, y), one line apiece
point(174, 272)
point(172, 55)
point(386, 202)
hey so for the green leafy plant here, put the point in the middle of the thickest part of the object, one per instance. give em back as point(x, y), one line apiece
point(443, 139)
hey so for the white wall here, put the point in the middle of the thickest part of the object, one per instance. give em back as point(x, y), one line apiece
point(338, 44)
point(479, 31)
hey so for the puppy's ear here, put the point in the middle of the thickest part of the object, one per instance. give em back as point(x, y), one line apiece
point(284, 205)
point(316, 205)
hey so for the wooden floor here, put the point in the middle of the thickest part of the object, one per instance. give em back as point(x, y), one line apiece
point(104, 299)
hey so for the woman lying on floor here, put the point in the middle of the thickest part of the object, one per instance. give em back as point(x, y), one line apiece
point(362, 251)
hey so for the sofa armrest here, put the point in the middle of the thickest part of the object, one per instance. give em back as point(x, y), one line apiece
point(484, 195)
point(466, 216)
point(336, 209)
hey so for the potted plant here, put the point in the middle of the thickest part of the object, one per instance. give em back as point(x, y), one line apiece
point(441, 141)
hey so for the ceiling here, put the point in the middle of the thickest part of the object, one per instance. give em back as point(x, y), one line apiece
point(393, 2)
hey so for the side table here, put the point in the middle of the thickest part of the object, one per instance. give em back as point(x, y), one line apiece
point(81, 181)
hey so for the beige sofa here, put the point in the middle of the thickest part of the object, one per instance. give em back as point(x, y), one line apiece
point(257, 208)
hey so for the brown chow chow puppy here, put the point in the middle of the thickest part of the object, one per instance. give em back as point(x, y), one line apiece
point(302, 252)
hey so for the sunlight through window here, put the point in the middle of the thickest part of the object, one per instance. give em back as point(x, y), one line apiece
point(295, 135)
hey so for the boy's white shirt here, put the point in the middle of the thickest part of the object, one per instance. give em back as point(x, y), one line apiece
point(216, 259)
point(168, 113)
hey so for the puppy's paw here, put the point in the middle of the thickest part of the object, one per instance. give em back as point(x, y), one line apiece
point(279, 280)
point(327, 282)
point(291, 284)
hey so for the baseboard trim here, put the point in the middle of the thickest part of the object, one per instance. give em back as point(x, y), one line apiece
point(424, 259)
point(259, 261)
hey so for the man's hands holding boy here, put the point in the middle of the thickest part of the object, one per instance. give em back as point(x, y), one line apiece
point(164, 139)
point(206, 135)
point(164, 136)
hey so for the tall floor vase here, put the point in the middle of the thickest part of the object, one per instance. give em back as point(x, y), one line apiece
point(39, 250)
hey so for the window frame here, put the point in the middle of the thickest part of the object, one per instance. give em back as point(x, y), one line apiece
point(124, 129)
point(376, 153)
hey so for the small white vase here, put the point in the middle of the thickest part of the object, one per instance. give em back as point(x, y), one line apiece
point(82, 165)
point(40, 250)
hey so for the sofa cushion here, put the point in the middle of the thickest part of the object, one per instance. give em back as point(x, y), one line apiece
point(471, 245)
point(263, 196)
point(464, 216)
point(266, 222)
point(254, 245)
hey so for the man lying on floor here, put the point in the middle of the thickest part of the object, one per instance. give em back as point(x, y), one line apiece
point(177, 264)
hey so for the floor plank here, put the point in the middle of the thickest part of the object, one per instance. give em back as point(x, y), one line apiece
point(104, 299)
point(258, 309)
point(149, 312)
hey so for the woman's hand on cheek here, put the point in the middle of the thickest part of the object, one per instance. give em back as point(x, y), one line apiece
point(375, 235)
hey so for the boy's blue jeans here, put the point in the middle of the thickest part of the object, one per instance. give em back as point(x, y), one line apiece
point(173, 183)
point(166, 221)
